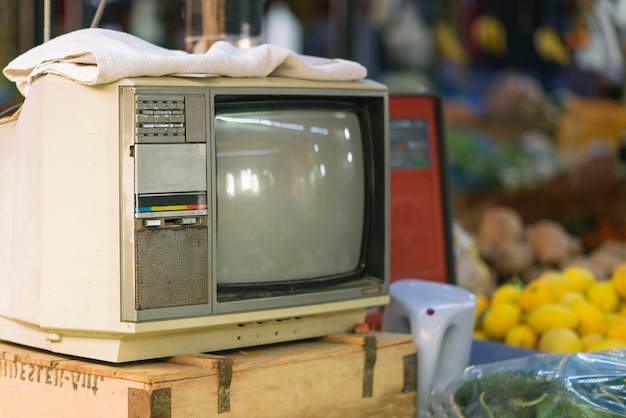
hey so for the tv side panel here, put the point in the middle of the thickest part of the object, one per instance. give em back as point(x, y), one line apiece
point(66, 218)
point(24, 274)
point(7, 158)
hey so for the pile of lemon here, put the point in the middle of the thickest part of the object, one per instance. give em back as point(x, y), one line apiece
point(558, 312)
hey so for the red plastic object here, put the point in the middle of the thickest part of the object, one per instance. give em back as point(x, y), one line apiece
point(421, 237)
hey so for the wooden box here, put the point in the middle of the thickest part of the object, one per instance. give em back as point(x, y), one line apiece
point(346, 375)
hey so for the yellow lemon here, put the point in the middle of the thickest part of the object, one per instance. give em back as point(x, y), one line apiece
point(558, 283)
point(552, 315)
point(619, 280)
point(590, 339)
point(606, 345)
point(572, 297)
point(560, 340)
point(617, 330)
point(604, 295)
point(482, 303)
point(579, 277)
point(480, 335)
point(612, 317)
point(534, 295)
point(591, 319)
point(521, 335)
point(498, 320)
point(507, 293)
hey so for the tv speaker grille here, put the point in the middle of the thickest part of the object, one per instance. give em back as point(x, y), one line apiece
point(172, 267)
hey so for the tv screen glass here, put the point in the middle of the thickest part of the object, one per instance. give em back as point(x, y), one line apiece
point(291, 194)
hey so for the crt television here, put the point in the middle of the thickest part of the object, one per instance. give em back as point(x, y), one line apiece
point(152, 217)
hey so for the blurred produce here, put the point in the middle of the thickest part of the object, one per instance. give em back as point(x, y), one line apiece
point(512, 248)
point(550, 47)
point(534, 161)
point(500, 241)
point(551, 243)
point(507, 139)
point(499, 224)
point(512, 257)
point(475, 161)
point(559, 311)
point(478, 161)
point(608, 256)
point(501, 247)
point(548, 292)
point(472, 272)
point(513, 135)
point(489, 34)
point(517, 97)
point(587, 126)
point(448, 45)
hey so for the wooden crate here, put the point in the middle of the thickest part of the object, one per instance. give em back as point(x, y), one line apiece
point(346, 375)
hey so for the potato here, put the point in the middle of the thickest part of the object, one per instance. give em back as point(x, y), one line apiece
point(551, 243)
point(512, 257)
point(498, 224)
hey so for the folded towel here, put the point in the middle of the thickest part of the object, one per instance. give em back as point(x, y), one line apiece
point(98, 56)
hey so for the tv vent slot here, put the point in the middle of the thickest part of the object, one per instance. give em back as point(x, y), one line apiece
point(172, 267)
point(160, 119)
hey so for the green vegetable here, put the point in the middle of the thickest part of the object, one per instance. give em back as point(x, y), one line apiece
point(526, 394)
point(503, 394)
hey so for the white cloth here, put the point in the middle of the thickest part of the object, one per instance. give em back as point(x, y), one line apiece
point(99, 56)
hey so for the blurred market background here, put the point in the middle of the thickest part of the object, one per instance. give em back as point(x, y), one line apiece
point(533, 96)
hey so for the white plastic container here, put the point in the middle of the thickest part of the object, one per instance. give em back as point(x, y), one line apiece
point(440, 316)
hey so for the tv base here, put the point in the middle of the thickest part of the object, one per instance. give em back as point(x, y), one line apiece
point(118, 348)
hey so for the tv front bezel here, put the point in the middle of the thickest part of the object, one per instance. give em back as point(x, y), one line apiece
point(371, 276)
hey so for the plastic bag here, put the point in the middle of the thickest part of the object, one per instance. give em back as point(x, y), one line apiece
point(540, 385)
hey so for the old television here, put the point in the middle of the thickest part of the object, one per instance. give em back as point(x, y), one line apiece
point(158, 216)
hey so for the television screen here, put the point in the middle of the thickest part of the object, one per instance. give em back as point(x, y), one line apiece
point(289, 206)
